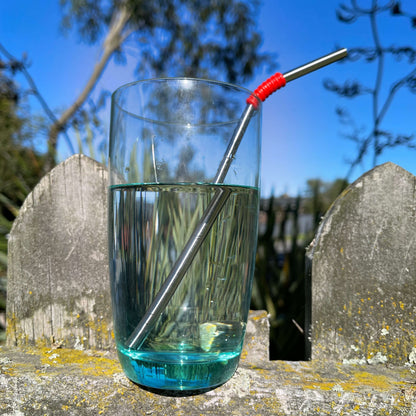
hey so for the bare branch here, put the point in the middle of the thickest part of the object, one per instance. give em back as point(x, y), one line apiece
point(345, 14)
point(369, 54)
point(111, 43)
point(375, 8)
point(377, 139)
point(379, 76)
point(403, 51)
point(393, 90)
point(34, 90)
point(349, 89)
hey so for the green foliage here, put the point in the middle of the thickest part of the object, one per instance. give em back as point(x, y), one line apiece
point(320, 195)
point(279, 284)
point(20, 165)
point(203, 38)
point(20, 169)
point(85, 128)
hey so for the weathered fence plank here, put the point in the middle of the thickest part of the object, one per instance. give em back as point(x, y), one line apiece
point(58, 285)
point(364, 272)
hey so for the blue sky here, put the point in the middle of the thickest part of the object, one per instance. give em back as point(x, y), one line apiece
point(302, 136)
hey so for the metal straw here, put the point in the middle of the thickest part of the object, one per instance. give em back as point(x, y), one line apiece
point(221, 195)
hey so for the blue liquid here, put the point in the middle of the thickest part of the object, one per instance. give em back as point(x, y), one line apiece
point(178, 371)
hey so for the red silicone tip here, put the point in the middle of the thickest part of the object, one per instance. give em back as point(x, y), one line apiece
point(267, 88)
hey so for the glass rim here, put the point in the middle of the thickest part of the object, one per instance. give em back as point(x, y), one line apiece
point(223, 84)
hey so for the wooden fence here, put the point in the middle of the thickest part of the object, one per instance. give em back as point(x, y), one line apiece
point(361, 274)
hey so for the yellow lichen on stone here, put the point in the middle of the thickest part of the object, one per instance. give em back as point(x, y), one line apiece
point(363, 378)
point(10, 326)
point(91, 363)
point(257, 316)
point(8, 371)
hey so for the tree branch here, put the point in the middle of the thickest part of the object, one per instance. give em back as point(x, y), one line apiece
point(35, 91)
point(379, 76)
point(111, 43)
point(374, 7)
point(395, 87)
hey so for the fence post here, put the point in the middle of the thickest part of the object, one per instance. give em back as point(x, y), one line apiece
point(364, 272)
point(58, 285)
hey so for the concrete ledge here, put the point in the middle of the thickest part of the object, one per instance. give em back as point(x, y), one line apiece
point(68, 382)
point(59, 381)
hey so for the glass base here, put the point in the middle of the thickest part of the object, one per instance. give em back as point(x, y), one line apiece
point(178, 370)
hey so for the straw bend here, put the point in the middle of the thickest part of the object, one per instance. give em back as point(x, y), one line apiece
point(279, 80)
point(267, 88)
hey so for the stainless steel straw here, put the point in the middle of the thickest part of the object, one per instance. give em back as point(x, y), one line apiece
point(187, 255)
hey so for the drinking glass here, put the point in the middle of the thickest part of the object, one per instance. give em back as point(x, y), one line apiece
point(167, 139)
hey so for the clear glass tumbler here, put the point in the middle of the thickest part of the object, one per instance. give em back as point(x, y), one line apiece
point(167, 140)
